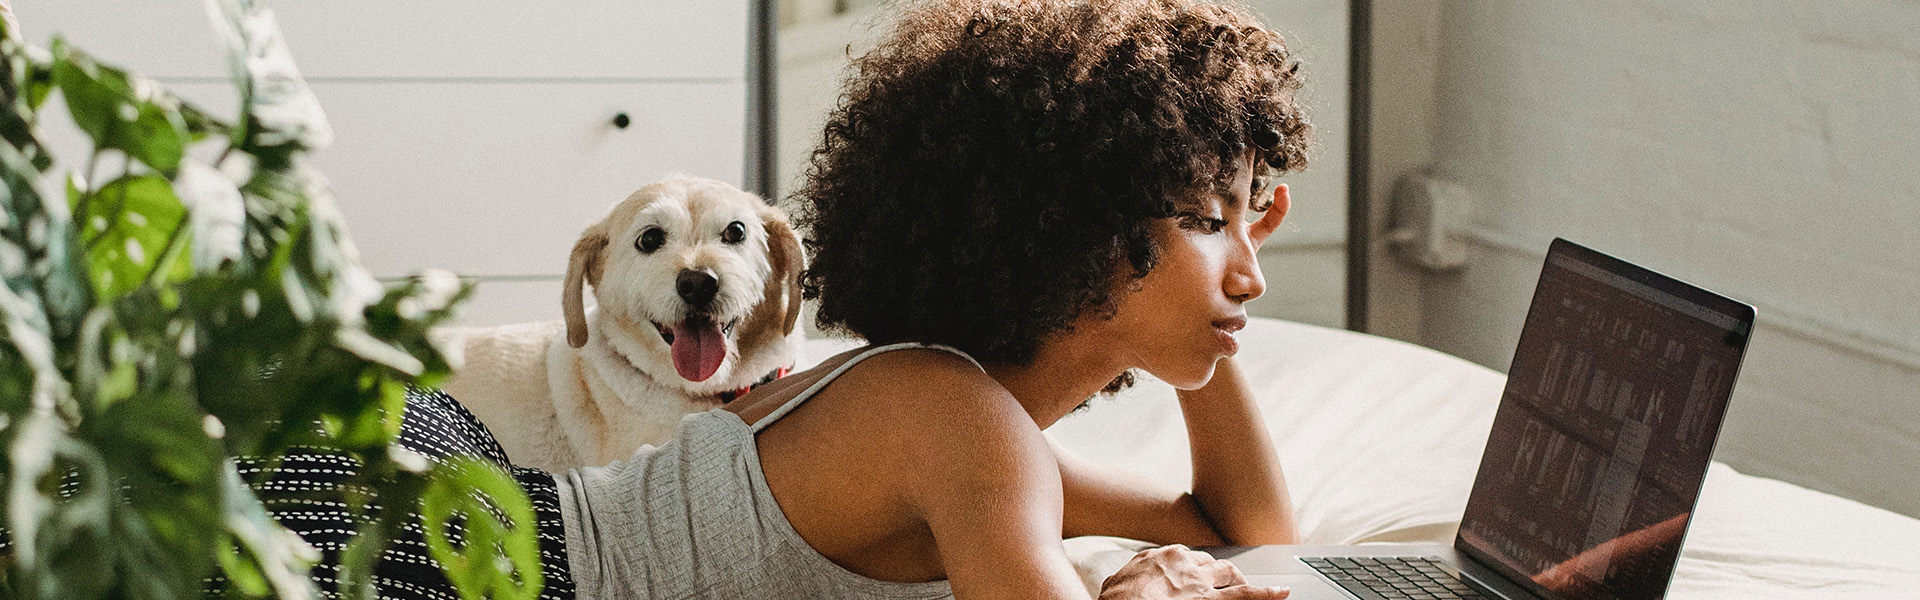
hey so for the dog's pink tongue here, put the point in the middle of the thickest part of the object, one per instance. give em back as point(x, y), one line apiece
point(698, 349)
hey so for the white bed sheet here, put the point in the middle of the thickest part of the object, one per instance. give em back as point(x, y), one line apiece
point(1381, 439)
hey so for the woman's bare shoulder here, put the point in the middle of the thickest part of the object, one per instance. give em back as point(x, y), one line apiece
point(898, 384)
point(910, 445)
point(967, 461)
point(924, 388)
point(914, 413)
point(925, 367)
point(948, 424)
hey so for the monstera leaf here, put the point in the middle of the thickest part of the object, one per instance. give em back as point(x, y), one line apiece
point(160, 322)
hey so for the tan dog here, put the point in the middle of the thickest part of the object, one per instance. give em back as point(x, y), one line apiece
point(697, 286)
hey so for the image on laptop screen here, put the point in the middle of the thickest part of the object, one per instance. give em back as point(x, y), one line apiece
point(1612, 405)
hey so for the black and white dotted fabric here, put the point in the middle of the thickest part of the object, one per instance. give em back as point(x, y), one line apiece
point(435, 426)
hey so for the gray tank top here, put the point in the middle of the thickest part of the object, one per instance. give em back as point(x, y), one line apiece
point(693, 518)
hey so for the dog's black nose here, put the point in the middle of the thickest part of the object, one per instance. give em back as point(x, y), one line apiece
point(697, 288)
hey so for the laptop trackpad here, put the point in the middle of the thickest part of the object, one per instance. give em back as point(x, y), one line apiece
point(1305, 587)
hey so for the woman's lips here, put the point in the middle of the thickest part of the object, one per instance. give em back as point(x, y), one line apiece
point(1223, 330)
point(1231, 324)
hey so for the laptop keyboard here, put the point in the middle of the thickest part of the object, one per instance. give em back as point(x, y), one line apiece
point(1393, 578)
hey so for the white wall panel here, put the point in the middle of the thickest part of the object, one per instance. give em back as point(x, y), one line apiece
point(568, 39)
point(1304, 282)
point(500, 179)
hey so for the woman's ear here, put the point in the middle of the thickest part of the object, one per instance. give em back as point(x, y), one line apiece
point(783, 251)
point(1270, 220)
point(583, 268)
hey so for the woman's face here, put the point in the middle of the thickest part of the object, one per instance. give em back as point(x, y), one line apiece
point(1180, 319)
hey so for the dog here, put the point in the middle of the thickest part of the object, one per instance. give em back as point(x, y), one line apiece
point(697, 286)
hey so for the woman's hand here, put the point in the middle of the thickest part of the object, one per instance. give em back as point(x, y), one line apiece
point(1259, 230)
point(1174, 571)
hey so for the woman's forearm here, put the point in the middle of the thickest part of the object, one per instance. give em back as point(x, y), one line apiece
point(1236, 472)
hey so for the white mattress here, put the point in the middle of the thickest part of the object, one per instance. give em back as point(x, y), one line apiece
point(1381, 439)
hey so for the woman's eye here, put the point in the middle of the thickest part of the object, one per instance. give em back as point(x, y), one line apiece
point(734, 233)
point(1201, 223)
point(650, 240)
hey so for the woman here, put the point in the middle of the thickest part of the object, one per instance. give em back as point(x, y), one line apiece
point(1018, 203)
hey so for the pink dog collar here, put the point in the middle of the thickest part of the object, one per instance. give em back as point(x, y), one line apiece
point(726, 397)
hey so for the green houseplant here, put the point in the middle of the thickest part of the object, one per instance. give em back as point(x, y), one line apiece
point(163, 314)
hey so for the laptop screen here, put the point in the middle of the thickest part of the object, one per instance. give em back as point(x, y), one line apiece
point(1601, 441)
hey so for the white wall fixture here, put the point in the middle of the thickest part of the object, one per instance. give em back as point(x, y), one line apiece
point(1428, 214)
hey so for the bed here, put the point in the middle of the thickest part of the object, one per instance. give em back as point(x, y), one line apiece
point(1380, 440)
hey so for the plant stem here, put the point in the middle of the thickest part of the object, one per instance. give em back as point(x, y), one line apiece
point(175, 242)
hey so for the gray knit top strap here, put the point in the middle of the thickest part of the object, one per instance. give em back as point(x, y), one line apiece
point(694, 518)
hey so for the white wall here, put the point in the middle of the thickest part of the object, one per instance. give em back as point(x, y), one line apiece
point(1305, 263)
point(1762, 149)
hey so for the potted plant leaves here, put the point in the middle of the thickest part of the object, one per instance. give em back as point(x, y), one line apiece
point(188, 295)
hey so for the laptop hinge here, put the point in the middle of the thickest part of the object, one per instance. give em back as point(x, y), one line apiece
point(1488, 580)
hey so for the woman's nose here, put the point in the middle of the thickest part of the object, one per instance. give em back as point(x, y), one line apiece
point(1244, 280)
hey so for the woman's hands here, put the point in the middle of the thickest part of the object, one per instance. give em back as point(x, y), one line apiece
point(1174, 571)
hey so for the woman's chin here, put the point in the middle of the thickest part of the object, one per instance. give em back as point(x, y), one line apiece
point(1189, 377)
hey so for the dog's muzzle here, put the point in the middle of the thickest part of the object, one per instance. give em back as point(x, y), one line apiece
point(698, 342)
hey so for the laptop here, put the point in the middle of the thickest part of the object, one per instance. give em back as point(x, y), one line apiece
point(1594, 465)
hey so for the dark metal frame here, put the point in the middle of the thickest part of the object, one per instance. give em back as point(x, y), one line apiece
point(761, 99)
point(1359, 129)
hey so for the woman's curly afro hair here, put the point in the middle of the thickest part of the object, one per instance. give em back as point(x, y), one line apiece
point(995, 165)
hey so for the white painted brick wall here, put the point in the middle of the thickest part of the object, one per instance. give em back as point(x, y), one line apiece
point(1769, 150)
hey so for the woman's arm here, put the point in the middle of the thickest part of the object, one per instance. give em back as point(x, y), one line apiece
point(1237, 480)
point(994, 511)
point(990, 494)
point(987, 485)
point(1239, 494)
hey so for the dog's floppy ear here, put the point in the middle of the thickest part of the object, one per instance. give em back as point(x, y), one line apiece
point(783, 251)
point(585, 265)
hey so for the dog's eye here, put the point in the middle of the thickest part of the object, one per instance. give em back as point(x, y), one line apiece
point(650, 240)
point(734, 233)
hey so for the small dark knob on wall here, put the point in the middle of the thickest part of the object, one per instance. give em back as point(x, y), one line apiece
point(622, 120)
